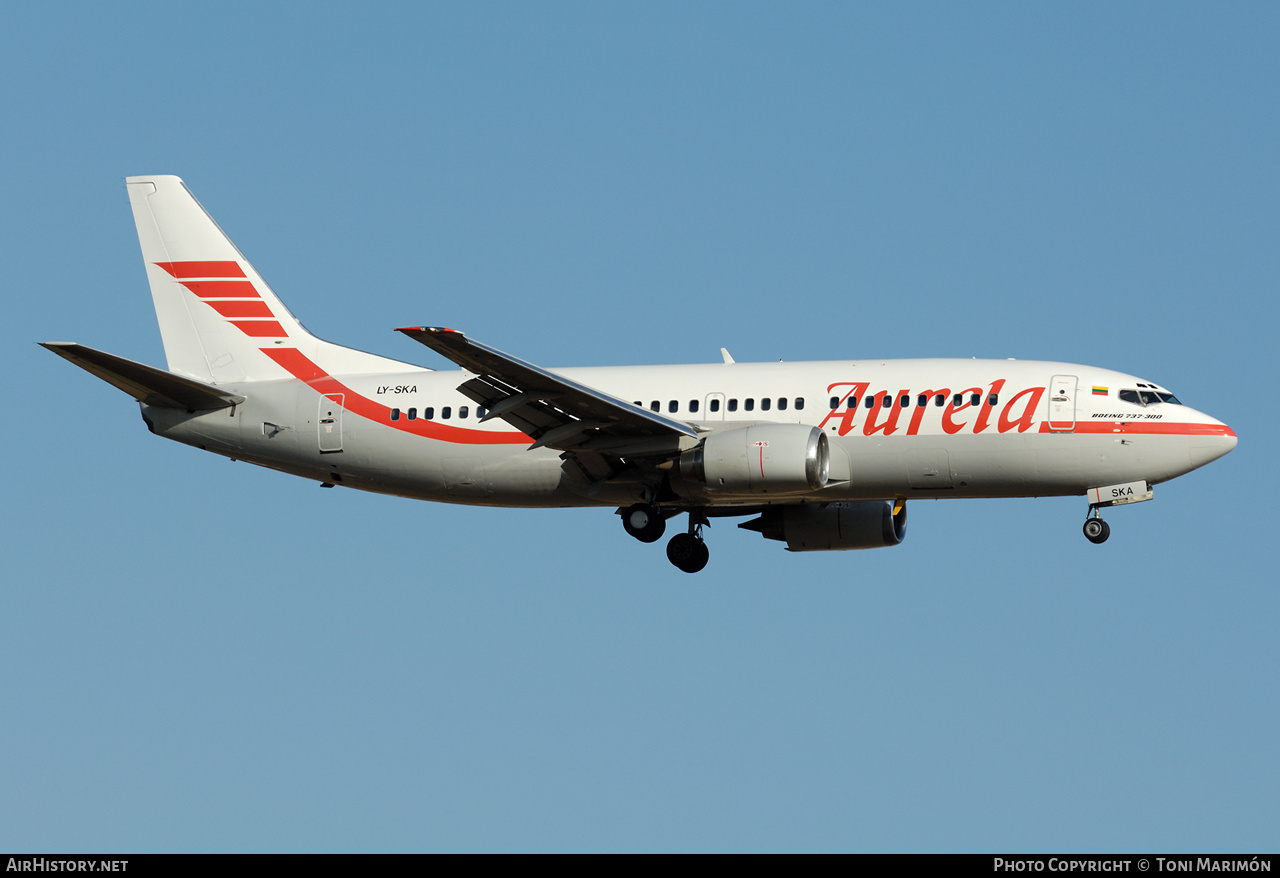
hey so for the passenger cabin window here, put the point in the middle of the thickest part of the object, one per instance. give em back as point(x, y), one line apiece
point(993, 399)
point(922, 400)
point(429, 413)
point(462, 411)
point(975, 398)
point(715, 405)
point(395, 414)
point(904, 401)
point(782, 403)
point(871, 401)
point(733, 405)
point(655, 406)
point(765, 403)
point(446, 412)
point(957, 400)
point(940, 400)
point(749, 404)
point(835, 402)
point(853, 402)
point(693, 406)
point(413, 414)
point(481, 411)
point(799, 403)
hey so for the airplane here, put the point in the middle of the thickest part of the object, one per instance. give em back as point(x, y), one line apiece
point(824, 455)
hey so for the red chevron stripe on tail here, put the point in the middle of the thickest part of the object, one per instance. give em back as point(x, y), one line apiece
point(221, 289)
point(240, 307)
point(219, 268)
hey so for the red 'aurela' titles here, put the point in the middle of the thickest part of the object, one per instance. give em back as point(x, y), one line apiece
point(1018, 413)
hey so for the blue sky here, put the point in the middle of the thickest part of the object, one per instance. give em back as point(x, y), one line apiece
point(199, 655)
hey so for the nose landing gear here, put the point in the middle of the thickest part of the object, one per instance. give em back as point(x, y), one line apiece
point(1095, 529)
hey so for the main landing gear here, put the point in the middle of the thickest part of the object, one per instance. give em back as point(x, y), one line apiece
point(687, 551)
point(644, 522)
point(1095, 529)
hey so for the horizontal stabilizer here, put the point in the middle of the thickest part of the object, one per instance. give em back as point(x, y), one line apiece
point(146, 384)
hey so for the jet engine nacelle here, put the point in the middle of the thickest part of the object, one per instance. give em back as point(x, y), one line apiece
point(859, 524)
point(765, 459)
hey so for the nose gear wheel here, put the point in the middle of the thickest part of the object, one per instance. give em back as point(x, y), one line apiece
point(1095, 529)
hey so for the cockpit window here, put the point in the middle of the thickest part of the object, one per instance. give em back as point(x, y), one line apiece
point(1148, 397)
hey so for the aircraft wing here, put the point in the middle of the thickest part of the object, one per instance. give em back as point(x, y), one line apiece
point(556, 412)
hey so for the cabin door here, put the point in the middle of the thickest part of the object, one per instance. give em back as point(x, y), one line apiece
point(1062, 404)
point(329, 422)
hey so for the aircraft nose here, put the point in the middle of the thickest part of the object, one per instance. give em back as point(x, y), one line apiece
point(1217, 440)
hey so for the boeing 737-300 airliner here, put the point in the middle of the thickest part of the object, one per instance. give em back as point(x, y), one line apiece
point(823, 455)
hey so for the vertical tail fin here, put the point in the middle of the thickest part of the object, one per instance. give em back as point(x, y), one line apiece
point(220, 322)
point(216, 313)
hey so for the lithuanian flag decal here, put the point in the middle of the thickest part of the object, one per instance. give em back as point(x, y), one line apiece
point(1099, 391)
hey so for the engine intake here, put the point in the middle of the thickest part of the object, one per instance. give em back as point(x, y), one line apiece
point(765, 459)
point(859, 524)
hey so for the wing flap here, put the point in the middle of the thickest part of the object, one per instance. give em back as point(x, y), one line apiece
point(144, 383)
point(556, 411)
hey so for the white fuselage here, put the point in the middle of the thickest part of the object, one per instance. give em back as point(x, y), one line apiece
point(951, 428)
point(826, 454)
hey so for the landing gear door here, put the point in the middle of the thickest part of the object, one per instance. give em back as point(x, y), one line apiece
point(1062, 404)
point(329, 422)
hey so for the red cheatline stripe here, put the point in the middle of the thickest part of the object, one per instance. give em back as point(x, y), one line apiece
point(297, 364)
point(1155, 428)
point(203, 269)
point(261, 328)
point(241, 308)
point(221, 289)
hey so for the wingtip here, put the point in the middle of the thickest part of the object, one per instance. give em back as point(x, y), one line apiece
point(432, 329)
